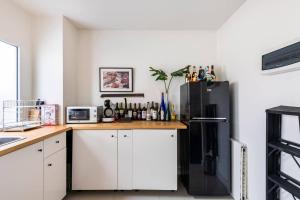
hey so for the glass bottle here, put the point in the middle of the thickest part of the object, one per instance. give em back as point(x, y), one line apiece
point(155, 112)
point(162, 108)
point(121, 110)
point(139, 112)
point(134, 112)
point(194, 74)
point(173, 113)
point(148, 113)
point(144, 113)
point(129, 112)
point(117, 112)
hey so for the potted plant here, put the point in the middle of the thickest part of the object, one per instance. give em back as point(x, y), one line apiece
point(161, 75)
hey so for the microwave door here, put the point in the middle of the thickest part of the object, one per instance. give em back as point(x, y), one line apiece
point(79, 115)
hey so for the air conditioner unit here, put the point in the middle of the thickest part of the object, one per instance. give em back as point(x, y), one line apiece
point(282, 60)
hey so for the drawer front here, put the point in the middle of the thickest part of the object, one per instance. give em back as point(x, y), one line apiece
point(54, 144)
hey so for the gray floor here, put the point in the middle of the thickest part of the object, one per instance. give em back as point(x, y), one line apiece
point(132, 195)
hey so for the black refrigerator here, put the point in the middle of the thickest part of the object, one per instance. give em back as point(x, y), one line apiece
point(205, 150)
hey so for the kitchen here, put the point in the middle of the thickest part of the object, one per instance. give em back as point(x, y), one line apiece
point(63, 49)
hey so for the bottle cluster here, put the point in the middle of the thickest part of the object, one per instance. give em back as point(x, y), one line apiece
point(150, 111)
point(202, 74)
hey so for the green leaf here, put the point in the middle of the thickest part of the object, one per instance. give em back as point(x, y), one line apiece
point(160, 74)
point(181, 72)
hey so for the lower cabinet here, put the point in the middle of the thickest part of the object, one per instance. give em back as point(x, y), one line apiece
point(155, 159)
point(36, 172)
point(21, 174)
point(55, 176)
point(95, 160)
point(124, 160)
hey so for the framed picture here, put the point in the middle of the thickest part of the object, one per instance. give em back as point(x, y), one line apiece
point(116, 79)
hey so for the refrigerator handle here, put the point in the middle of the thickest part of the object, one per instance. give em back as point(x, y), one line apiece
point(203, 143)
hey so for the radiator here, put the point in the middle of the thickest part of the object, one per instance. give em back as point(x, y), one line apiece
point(239, 171)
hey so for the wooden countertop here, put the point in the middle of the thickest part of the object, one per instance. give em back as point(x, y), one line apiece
point(32, 137)
point(40, 134)
point(129, 125)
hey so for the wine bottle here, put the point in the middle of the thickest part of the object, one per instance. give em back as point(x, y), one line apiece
point(144, 113)
point(188, 75)
point(151, 109)
point(173, 113)
point(134, 112)
point(117, 112)
point(162, 108)
point(155, 112)
point(168, 112)
point(201, 74)
point(130, 111)
point(148, 114)
point(125, 109)
point(194, 74)
point(212, 72)
point(139, 112)
point(121, 110)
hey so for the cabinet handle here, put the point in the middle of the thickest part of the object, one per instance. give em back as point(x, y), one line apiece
point(125, 135)
point(172, 135)
point(112, 136)
point(49, 164)
point(40, 150)
point(57, 142)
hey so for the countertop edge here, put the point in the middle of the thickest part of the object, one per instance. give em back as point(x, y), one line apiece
point(27, 142)
point(39, 135)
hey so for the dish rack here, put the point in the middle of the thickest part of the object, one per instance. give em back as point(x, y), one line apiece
point(21, 115)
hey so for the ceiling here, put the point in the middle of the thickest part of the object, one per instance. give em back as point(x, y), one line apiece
point(138, 14)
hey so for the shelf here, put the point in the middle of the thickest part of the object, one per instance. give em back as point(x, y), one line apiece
point(285, 110)
point(286, 185)
point(122, 95)
point(285, 148)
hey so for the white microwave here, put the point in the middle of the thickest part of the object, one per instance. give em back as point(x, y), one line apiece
point(83, 114)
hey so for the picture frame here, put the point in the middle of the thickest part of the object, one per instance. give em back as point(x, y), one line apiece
point(115, 79)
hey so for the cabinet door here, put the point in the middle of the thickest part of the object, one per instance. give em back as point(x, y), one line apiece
point(55, 176)
point(21, 174)
point(155, 159)
point(95, 160)
point(125, 159)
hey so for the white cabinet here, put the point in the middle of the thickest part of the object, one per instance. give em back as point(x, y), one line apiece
point(95, 160)
point(21, 174)
point(55, 176)
point(125, 161)
point(55, 169)
point(155, 159)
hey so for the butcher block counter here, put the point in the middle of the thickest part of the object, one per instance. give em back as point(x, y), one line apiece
point(31, 137)
point(129, 125)
point(40, 134)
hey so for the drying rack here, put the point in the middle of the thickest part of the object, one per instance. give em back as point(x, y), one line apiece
point(277, 179)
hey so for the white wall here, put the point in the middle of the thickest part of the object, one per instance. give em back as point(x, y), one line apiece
point(48, 60)
point(70, 62)
point(257, 27)
point(15, 28)
point(168, 50)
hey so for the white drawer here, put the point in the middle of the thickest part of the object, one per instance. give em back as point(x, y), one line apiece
point(54, 144)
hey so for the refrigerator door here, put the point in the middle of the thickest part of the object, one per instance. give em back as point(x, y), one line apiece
point(215, 100)
point(210, 172)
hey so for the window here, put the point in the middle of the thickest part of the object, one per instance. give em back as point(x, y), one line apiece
point(8, 73)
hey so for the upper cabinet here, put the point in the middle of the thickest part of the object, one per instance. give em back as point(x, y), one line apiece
point(21, 174)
